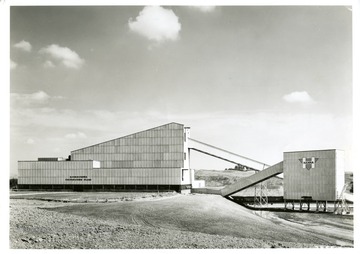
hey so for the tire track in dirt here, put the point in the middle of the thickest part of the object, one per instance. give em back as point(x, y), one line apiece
point(194, 213)
point(323, 230)
point(141, 217)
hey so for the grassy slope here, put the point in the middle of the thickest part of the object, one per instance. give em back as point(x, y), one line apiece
point(217, 178)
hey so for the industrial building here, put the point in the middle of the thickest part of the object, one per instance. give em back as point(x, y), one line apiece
point(158, 159)
point(154, 159)
point(318, 175)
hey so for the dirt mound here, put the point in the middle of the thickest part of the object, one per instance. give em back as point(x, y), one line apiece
point(209, 214)
point(178, 221)
point(34, 227)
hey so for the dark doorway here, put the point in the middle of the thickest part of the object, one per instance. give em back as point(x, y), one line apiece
point(78, 188)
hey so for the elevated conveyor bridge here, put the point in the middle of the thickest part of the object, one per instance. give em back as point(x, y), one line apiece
point(264, 171)
point(226, 155)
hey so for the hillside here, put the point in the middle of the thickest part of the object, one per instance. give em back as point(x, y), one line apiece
point(219, 178)
point(172, 222)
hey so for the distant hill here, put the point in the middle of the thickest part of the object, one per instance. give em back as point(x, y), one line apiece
point(217, 178)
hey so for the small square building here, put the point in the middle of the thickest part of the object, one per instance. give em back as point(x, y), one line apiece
point(313, 175)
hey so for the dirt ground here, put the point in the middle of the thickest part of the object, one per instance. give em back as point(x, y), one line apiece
point(162, 221)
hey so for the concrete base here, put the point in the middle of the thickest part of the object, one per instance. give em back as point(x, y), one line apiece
point(206, 191)
point(187, 191)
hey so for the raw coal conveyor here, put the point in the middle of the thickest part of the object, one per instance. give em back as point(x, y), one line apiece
point(310, 178)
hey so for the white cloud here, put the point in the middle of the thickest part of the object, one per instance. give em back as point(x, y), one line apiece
point(76, 135)
point(39, 97)
point(48, 64)
point(156, 24)
point(13, 65)
point(64, 55)
point(32, 99)
point(23, 45)
point(30, 141)
point(204, 8)
point(299, 97)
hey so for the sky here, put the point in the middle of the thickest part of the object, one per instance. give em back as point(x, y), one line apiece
point(254, 80)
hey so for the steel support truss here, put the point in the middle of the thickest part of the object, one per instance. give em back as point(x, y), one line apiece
point(261, 195)
point(321, 206)
point(341, 207)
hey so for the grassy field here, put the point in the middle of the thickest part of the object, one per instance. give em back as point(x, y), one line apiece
point(218, 178)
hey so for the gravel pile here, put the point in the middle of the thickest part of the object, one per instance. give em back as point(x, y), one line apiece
point(34, 227)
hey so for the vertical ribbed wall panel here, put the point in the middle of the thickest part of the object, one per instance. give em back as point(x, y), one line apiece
point(154, 156)
point(318, 181)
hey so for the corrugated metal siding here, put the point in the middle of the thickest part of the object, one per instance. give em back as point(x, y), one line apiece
point(155, 156)
point(151, 146)
point(52, 165)
point(103, 176)
point(159, 147)
point(318, 182)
